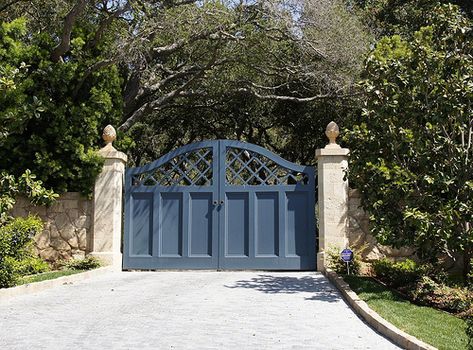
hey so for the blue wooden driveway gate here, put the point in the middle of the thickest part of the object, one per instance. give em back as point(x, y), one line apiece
point(220, 205)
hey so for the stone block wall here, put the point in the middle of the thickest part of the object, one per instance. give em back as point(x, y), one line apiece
point(67, 224)
point(359, 236)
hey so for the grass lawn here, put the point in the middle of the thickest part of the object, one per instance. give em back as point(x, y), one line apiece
point(47, 276)
point(434, 327)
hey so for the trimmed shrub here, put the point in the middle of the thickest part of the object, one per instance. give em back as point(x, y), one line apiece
point(335, 262)
point(398, 274)
point(88, 263)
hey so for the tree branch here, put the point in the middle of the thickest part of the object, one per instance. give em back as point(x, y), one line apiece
point(285, 98)
point(65, 40)
point(106, 23)
point(150, 106)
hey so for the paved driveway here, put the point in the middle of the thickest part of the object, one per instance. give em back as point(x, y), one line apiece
point(187, 310)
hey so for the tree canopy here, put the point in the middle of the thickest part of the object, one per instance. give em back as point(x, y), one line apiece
point(167, 73)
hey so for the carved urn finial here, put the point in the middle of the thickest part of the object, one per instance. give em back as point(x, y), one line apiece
point(332, 132)
point(109, 134)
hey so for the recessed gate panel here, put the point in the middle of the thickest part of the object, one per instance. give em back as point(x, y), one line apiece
point(220, 205)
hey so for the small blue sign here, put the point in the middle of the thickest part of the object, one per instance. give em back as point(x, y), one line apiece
point(346, 255)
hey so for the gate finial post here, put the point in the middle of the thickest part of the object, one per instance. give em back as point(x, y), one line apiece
point(332, 163)
point(107, 220)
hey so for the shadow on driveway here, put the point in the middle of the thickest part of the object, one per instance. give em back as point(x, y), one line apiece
point(322, 290)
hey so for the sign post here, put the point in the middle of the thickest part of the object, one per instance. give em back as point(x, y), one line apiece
point(347, 256)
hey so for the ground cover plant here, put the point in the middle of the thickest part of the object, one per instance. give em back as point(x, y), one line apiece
point(63, 268)
point(46, 276)
point(418, 298)
point(435, 327)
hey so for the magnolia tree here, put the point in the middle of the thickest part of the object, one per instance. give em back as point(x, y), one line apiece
point(412, 150)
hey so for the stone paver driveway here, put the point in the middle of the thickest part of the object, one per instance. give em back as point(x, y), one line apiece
point(187, 310)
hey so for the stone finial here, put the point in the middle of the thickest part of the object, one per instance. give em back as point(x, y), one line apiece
point(332, 132)
point(109, 134)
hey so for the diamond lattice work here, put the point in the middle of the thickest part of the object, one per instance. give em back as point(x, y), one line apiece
point(189, 169)
point(245, 167)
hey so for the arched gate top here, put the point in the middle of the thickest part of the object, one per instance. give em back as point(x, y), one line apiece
point(243, 164)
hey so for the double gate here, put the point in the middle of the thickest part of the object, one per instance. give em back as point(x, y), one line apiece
point(220, 205)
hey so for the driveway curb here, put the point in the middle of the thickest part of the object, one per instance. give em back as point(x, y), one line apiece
point(43, 285)
point(390, 331)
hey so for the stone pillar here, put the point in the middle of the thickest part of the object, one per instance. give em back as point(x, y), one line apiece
point(107, 212)
point(332, 161)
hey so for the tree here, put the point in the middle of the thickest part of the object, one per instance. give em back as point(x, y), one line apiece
point(48, 123)
point(412, 149)
point(403, 17)
point(268, 72)
point(274, 89)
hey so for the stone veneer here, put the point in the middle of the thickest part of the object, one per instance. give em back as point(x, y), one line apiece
point(359, 236)
point(67, 224)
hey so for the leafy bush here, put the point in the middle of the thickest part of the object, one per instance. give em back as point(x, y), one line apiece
point(8, 277)
point(16, 240)
point(88, 263)
point(429, 292)
point(335, 262)
point(26, 185)
point(398, 274)
point(31, 265)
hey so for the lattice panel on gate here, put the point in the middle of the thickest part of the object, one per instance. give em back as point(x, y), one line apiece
point(193, 168)
point(244, 167)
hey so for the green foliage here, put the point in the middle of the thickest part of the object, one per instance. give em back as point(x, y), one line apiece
point(88, 263)
point(469, 331)
point(30, 265)
point(429, 292)
point(16, 239)
point(388, 17)
point(398, 274)
point(26, 185)
point(46, 276)
point(51, 113)
point(411, 158)
point(428, 324)
point(423, 285)
point(221, 105)
point(335, 262)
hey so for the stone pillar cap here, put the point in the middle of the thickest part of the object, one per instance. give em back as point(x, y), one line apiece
point(108, 151)
point(109, 134)
point(332, 131)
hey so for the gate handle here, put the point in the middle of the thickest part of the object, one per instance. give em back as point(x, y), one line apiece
point(221, 202)
point(215, 202)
